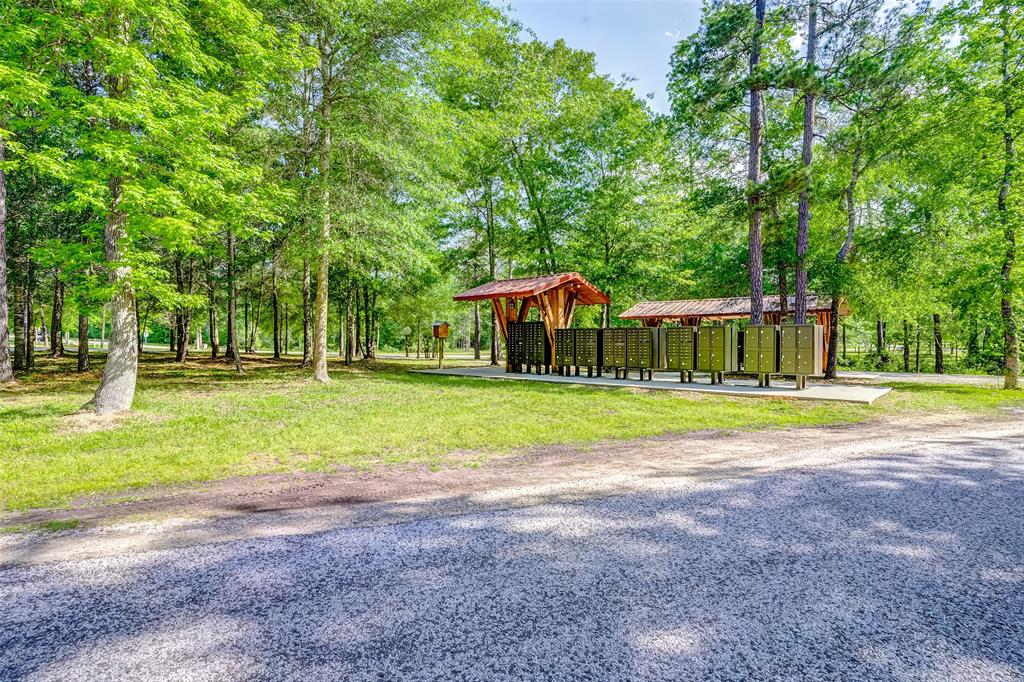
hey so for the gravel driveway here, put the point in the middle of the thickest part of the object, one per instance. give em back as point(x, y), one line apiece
point(905, 567)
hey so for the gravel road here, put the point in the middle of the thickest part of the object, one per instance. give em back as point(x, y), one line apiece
point(908, 566)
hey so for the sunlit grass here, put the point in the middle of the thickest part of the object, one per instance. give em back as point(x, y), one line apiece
point(203, 422)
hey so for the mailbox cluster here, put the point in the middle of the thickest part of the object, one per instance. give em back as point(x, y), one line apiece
point(763, 350)
point(578, 348)
point(528, 347)
point(717, 351)
point(681, 351)
point(802, 351)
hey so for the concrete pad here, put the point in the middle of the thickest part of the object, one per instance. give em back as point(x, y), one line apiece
point(669, 381)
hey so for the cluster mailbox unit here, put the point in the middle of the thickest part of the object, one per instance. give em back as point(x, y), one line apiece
point(761, 352)
point(588, 350)
point(717, 351)
point(681, 351)
point(565, 350)
point(802, 353)
point(643, 351)
point(614, 343)
point(528, 347)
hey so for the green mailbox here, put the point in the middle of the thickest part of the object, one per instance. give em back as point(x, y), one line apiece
point(642, 350)
point(614, 342)
point(761, 352)
point(565, 349)
point(681, 351)
point(716, 351)
point(537, 354)
point(588, 350)
point(803, 351)
point(515, 348)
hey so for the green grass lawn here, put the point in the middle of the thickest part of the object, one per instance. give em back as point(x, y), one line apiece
point(202, 422)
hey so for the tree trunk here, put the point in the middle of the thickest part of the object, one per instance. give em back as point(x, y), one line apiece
point(341, 326)
point(138, 326)
point(275, 303)
point(83, 342)
point(20, 331)
point(804, 209)
point(6, 367)
point(287, 329)
point(833, 336)
point(57, 318)
point(186, 286)
point(254, 332)
point(906, 345)
point(350, 328)
point(783, 290)
point(42, 323)
point(30, 329)
point(212, 321)
point(492, 263)
point(307, 316)
point(880, 337)
point(844, 251)
point(358, 344)
point(367, 323)
point(323, 268)
point(117, 387)
point(173, 333)
point(937, 326)
point(1011, 338)
point(476, 330)
point(231, 353)
point(754, 173)
point(917, 349)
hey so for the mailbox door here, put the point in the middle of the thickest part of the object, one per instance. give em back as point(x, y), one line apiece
point(717, 346)
point(614, 347)
point(687, 348)
point(673, 358)
point(703, 349)
point(752, 350)
point(564, 354)
point(769, 354)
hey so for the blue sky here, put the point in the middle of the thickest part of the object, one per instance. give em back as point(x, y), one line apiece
point(629, 37)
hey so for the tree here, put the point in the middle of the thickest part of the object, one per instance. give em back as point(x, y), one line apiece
point(754, 170)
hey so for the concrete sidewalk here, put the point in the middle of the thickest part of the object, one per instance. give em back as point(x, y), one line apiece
point(669, 381)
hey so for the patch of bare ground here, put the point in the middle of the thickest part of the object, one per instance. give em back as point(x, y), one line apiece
point(701, 455)
point(90, 422)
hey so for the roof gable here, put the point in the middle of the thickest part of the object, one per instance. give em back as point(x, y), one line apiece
point(525, 287)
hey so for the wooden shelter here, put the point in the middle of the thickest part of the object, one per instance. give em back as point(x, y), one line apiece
point(692, 312)
point(555, 297)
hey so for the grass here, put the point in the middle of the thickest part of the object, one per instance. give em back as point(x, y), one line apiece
point(203, 422)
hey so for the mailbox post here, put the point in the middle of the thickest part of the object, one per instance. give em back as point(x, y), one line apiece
point(440, 331)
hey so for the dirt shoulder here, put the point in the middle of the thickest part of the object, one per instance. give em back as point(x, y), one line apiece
point(283, 504)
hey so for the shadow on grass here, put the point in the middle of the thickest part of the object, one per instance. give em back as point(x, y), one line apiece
point(884, 569)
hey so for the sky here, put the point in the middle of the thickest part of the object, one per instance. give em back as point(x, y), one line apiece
point(634, 38)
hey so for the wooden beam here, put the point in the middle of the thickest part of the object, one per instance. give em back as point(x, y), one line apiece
point(547, 314)
point(568, 308)
point(524, 309)
point(499, 315)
